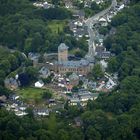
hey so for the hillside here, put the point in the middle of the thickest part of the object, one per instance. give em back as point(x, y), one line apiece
point(113, 116)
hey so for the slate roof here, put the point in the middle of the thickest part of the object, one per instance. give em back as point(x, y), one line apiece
point(104, 54)
point(41, 111)
point(74, 100)
point(33, 56)
point(80, 13)
point(62, 46)
point(81, 31)
point(73, 76)
point(44, 71)
point(74, 64)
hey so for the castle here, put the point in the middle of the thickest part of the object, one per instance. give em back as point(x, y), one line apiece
point(63, 65)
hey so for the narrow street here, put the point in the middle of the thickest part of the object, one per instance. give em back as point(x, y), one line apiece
point(93, 20)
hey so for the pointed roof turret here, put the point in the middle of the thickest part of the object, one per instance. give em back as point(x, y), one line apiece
point(62, 46)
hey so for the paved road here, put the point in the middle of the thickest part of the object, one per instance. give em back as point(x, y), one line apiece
point(94, 19)
point(90, 22)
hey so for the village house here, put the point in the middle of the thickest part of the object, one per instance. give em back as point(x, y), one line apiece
point(80, 32)
point(68, 88)
point(44, 5)
point(21, 113)
point(39, 84)
point(103, 21)
point(104, 55)
point(92, 85)
point(98, 1)
point(17, 106)
point(41, 112)
point(103, 64)
point(74, 79)
point(87, 4)
point(33, 56)
point(79, 14)
point(68, 4)
point(44, 72)
point(11, 83)
point(74, 101)
point(82, 97)
point(52, 102)
point(72, 26)
point(14, 97)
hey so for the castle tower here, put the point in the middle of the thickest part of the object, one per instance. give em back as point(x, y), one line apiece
point(62, 52)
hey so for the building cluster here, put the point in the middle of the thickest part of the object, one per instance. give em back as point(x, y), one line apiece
point(12, 82)
point(52, 106)
point(82, 97)
point(41, 112)
point(77, 26)
point(44, 5)
point(67, 83)
point(87, 3)
point(103, 21)
point(77, 69)
point(105, 84)
point(80, 29)
point(16, 105)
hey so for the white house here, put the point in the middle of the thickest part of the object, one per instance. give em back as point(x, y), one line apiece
point(21, 113)
point(74, 101)
point(39, 84)
point(103, 21)
point(42, 112)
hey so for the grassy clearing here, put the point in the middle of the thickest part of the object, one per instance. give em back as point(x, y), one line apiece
point(56, 26)
point(30, 93)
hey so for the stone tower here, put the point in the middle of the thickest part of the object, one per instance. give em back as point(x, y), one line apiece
point(62, 52)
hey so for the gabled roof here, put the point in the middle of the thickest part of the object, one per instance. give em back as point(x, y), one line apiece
point(44, 71)
point(102, 19)
point(39, 83)
point(73, 76)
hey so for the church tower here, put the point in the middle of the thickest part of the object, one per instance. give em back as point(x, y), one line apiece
point(62, 52)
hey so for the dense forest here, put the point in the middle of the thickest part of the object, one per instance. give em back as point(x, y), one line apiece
point(113, 116)
point(25, 27)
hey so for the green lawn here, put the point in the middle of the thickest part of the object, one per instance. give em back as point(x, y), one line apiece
point(56, 26)
point(30, 93)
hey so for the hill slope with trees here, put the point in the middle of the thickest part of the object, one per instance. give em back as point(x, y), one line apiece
point(25, 27)
point(113, 116)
